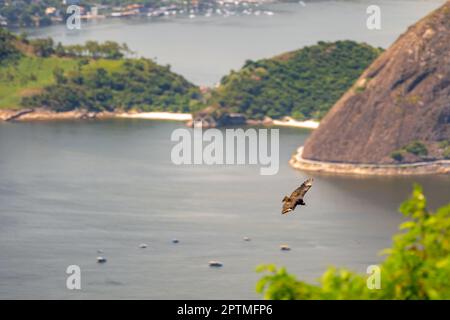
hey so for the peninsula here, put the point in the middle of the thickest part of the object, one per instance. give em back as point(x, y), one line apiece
point(396, 115)
point(43, 80)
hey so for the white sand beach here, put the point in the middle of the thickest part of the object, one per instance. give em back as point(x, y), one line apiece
point(290, 122)
point(157, 116)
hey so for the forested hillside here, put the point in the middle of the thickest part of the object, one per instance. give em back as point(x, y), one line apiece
point(303, 84)
point(94, 77)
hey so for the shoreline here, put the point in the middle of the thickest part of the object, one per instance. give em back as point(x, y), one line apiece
point(289, 122)
point(41, 114)
point(156, 116)
point(417, 168)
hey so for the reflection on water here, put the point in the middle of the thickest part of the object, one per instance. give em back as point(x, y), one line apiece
point(68, 189)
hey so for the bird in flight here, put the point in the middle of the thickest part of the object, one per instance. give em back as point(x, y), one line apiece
point(296, 198)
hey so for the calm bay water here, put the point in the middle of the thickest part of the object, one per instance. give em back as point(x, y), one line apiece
point(205, 49)
point(68, 189)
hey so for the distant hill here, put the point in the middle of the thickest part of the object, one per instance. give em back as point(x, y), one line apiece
point(399, 109)
point(94, 77)
point(303, 84)
point(98, 77)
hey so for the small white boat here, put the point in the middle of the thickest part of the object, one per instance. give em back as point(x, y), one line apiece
point(246, 239)
point(285, 247)
point(101, 260)
point(215, 264)
point(143, 245)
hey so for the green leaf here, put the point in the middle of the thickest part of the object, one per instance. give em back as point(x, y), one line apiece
point(407, 225)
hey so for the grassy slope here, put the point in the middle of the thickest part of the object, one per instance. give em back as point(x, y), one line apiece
point(28, 76)
point(29, 80)
point(108, 65)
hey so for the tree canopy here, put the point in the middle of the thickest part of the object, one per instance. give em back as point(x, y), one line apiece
point(138, 84)
point(303, 84)
point(7, 48)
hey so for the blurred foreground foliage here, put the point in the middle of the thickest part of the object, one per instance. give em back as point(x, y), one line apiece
point(417, 266)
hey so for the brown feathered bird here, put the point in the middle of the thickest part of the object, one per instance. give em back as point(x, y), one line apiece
point(296, 198)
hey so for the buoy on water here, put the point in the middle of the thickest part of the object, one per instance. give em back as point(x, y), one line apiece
point(215, 264)
point(101, 260)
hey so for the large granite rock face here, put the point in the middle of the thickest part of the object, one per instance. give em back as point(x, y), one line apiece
point(404, 96)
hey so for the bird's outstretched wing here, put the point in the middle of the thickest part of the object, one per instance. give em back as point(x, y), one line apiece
point(300, 192)
point(296, 198)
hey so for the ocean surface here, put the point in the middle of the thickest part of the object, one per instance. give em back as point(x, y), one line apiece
point(205, 49)
point(68, 189)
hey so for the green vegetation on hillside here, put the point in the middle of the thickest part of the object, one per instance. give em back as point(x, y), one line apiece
point(45, 47)
point(445, 146)
point(303, 84)
point(28, 76)
point(416, 148)
point(417, 266)
point(7, 50)
point(107, 85)
point(446, 153)
point(94, 77)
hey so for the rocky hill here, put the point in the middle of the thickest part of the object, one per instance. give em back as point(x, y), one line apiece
point(398, 111)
